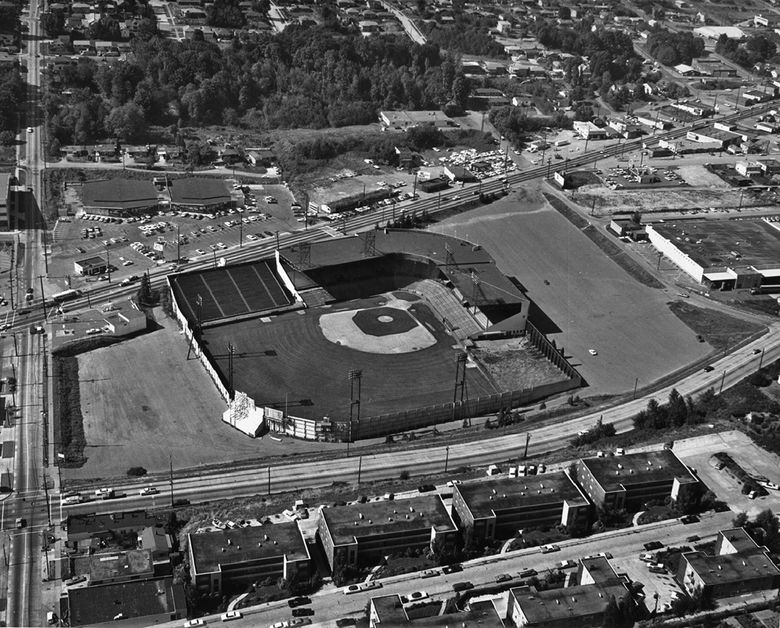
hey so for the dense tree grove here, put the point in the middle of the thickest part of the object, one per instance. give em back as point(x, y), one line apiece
point(304, 77)
point(11, 96)
point(757, 48)
point(611, 53)
point(468, 35)
point(672, 48)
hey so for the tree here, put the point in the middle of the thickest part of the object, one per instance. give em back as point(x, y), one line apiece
point(612, 618)
point(145, 294)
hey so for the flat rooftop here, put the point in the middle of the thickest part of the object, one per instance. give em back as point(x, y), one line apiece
point(562, 605)
point(721, 243)
point(494, 495)
point(94, 525)
point(198, 190)
point(120, 565)
point(615, 472)
point(140, 598)
point(739, 539)
point(119, 194)
point(714, 570)
point(386, 517)
point(391, 612)
point(5, 181)
point(246, 544)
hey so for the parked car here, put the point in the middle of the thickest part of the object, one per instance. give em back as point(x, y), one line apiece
point(426, 488)
point(546, 549)
point(462, 586)
point(653, 545)
point(566, 564)
point(302, 612)
point(527, 573)
point(503, 577)
point(447, 569)
point(230, 615)
point(74, 580)
point(414, 597)
point(148, 490)
point(298, 601)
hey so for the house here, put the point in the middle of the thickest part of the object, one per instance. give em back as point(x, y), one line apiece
point(631, 481)
point(159, 545)
point(498, 508)
point(228, 560)
point(739, 566)
point(769, 166)
point(363, 533)
point(748, 169)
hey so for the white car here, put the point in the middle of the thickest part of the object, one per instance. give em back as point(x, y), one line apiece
point(200, 252)
point(230, 615)
point(29, 129)
point(148, 490)
point(593, 352)
point(414, 597)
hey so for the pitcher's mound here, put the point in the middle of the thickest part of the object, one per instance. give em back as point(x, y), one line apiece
point(376, 330)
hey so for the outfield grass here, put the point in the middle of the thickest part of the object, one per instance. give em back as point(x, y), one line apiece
point(308, 373)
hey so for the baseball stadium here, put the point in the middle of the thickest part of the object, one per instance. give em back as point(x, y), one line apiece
point(368, 335)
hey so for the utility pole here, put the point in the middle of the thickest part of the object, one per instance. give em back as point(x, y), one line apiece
point(170, 477)
point(43, 297)
point(722, 381)
point(241, 233)
point(527, 440)
point(178, 243)
point(760, 361)
point(269, 480)
point(636, 383)
point(360, 467)
point(108, 264)
point(446, 458)
point(45, 250)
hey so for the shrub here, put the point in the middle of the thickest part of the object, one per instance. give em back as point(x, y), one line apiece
point(136, 472)
point(404, 475)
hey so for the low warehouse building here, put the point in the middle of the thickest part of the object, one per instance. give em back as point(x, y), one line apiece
point(199, 195)
point(119, 197)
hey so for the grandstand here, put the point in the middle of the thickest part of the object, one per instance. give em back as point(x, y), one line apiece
point(231, 292)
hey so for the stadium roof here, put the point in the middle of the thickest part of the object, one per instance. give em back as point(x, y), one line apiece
point(198, 191)
point(211, 550)
point(495, 495)
point(119, 194)
point(346, 523)
point(463, 262)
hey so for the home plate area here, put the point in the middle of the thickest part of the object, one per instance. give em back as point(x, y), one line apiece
point(388, 328)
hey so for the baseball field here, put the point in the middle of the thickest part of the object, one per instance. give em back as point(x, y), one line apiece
point(591, 302)
point(302, 359)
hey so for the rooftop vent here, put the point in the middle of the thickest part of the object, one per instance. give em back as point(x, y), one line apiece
point(230, 542)
point(411, 508)
point(620, 466)
point(222, 549)
point(238, 547)
point(276, 543)
point(407, 516)
point(370, 521)
point(494, 491)
point(389, 518)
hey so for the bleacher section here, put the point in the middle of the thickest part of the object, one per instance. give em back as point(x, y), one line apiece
point(457, 319)
point(231, 291)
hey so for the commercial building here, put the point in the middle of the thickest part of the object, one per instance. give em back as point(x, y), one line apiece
point(389, 610)
point(364, 533)
point(629, 482)
point(230, 559)
point(403, 120)
point(733, 255)
point(90, 266)
point(499, 508)
point(589, 131)
point(739, 566)
point(140, 603)
point(83, 527)
point(119, 197)
point(120, 566)
point(199, 195)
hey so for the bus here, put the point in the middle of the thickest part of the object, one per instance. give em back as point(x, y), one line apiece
point(66, 295)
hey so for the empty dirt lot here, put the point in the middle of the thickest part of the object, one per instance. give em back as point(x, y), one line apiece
point(142, 401)
point(594, 303)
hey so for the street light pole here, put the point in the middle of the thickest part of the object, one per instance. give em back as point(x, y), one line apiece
point(447, 458)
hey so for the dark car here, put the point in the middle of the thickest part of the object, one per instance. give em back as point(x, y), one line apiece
point(462, 586)
point(426, 488)
point(298, 601)
point(451, 568)
point(709, 369)
point(503, 577)
point(653, 545)
point(302, 612)
point(527, 573)
point(687, 519)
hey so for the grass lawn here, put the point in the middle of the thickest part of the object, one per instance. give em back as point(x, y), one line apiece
point(720, 330)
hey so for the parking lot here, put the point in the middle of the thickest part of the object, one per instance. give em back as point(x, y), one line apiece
point(132, 245)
